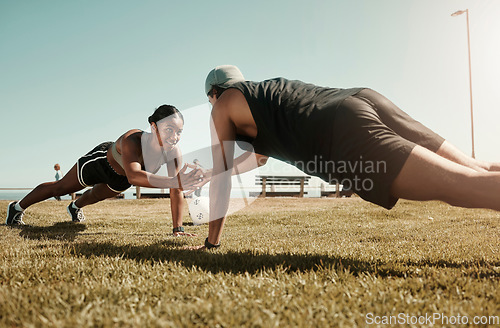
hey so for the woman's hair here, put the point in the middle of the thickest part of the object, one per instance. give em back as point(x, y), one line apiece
point(217, 89)
point(164, 111)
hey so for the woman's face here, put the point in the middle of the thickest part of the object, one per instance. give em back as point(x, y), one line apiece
point(169, 131)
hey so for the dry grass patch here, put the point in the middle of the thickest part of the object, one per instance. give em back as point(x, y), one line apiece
point(284, 262)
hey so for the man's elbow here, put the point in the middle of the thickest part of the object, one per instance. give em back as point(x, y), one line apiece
point(135, 182)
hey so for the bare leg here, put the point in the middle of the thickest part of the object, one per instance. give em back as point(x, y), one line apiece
point(67, 185)
point(99, 192)
point(448, 151)
point(428, 176)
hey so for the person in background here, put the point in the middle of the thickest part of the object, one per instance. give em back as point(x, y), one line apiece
point(58, 177)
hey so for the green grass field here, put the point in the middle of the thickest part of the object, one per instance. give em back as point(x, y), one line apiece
point(284, 263)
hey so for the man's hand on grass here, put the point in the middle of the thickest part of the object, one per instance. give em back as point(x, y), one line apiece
point(196, 248)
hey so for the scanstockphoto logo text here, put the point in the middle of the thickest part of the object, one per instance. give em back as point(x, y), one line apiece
point(430, 319)
point(359, 171)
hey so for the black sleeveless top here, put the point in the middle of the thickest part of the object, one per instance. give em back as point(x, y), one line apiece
point(292, 117)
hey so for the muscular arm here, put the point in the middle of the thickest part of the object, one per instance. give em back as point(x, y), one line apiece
point(247, 162)
point(131, 153)
point(176, 195)
point(223, 134)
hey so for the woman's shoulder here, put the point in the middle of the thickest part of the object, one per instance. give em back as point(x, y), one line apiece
point(131, 134)
point(134, 131)
point(131, 137)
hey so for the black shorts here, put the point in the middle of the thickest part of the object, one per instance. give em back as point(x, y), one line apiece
point(94, 168)
point(374, 138)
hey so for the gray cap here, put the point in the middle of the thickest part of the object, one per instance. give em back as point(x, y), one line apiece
point(223, 76)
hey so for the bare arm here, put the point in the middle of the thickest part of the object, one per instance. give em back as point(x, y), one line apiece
point(229, 110)
point(176, 206)
point(176, 194)
point(131, 153)
point(248, 161)
point(223, 133)
point(242, 164)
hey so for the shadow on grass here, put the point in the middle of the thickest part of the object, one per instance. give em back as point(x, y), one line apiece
point(252, 262)
point(66, 231)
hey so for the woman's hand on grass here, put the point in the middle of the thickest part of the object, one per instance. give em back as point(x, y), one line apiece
point(185, 234)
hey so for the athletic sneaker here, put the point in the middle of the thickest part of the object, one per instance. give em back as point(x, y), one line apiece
point(14, 217)
point(76, 214)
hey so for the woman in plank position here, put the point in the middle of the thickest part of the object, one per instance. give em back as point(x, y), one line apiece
point(111, 168)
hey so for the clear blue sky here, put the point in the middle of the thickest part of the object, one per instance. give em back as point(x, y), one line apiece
point(76, 73)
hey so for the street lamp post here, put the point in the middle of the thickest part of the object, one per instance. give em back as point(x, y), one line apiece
point(457, 13)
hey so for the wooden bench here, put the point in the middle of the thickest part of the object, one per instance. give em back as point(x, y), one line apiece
point(341, 193)
point(79, 194)
point(152, 195)
point(337, 193)
point(138, 194)
point(283, 181)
